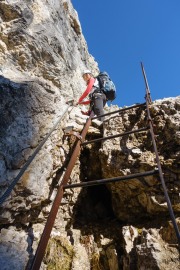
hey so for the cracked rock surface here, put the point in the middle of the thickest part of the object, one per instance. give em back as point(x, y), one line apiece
point(125, 225)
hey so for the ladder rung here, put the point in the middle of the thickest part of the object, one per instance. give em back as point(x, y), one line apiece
point(115, 136)
point(109, 180)
point(121, 110)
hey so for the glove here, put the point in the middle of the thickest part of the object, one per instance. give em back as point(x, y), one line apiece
point(86, 113)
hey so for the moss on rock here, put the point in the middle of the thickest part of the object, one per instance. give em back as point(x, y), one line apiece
point(59, 254)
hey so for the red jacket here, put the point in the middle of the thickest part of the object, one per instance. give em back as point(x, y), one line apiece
point(86, 92)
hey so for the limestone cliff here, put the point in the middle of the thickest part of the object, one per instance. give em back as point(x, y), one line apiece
point(42, 55)
point(124, 225)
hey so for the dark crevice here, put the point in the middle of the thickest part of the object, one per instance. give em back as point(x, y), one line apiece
point(95, 206)
point(93, 212)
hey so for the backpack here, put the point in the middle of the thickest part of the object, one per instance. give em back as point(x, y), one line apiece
point(107, 85)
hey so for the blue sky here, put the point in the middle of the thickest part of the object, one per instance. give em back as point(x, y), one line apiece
point(122, 33)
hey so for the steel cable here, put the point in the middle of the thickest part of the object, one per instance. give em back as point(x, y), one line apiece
point(30, 159)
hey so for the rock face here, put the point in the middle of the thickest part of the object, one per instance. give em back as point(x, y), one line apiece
point(134, 153)
point(125, 225)
point(42, 54)
point(150, 241)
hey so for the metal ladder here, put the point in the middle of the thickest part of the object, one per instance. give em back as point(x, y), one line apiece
point(81, 142)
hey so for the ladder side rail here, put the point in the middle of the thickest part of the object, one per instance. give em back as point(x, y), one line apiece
point(162, 177)
point(148, 95)
point(148, 101)
point(52, 215)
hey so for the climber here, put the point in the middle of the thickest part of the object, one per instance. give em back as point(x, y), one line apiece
point(96, 98)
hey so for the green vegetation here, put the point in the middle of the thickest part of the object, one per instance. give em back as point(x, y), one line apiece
point(95, 261)
point(59, 254)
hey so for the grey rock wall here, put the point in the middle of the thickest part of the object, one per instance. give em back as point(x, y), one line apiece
point(121, 226)
point(134, 153)
point(152, 243)
point(42, 55)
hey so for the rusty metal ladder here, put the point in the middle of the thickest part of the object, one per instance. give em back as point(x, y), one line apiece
point(63, 186)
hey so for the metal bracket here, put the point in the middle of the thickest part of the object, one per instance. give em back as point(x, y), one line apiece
point(70, 102)
point(68, 131)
